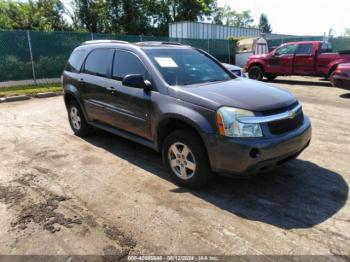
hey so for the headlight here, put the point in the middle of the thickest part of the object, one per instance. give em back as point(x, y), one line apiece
point(227, 119)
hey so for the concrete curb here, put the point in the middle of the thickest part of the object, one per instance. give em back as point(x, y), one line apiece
point(26, 97)
point(14, 98)
point(48, 94)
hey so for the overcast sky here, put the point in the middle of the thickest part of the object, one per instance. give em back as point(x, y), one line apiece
point(298, 17)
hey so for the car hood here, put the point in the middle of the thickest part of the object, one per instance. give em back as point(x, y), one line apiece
point(241, 93)
point(258, 56)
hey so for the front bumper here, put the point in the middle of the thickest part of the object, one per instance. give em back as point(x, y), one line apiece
point(244, 155)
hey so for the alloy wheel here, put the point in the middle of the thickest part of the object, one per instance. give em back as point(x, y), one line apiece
point(75, 117)
point(181, 160)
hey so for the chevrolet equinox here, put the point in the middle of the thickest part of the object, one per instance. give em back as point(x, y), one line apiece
point(184, 103)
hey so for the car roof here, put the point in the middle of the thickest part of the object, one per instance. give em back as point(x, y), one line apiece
point(148, 44)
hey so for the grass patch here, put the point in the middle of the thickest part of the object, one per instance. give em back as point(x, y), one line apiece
point(30, 89)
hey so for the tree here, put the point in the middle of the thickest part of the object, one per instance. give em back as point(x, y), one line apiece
point(90, 15)
point(40, 15)
point(264, 25)
point(226, 16)
point(102, 16)
point(168, 11)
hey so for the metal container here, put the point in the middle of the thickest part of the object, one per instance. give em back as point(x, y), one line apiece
point(197, 30)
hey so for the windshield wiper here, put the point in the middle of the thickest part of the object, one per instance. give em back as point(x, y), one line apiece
point(214, 80)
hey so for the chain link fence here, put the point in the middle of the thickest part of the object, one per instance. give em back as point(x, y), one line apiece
point(34, 55)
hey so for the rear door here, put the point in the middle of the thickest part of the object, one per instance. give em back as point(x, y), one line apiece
point(281, 62)
point(93, 82)
point(128, 107)
point(304, 60)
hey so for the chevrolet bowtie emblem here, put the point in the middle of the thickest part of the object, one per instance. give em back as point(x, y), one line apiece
point(291, 114)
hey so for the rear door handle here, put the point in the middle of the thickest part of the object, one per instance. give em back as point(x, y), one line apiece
point(111, 89)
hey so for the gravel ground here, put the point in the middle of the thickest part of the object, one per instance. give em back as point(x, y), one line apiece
point(104, 195)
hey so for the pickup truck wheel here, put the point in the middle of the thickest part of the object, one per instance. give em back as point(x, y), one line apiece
point(256, 73)
point(186, 159)
point(271, 77)
point(331, 79)
point(77, 120)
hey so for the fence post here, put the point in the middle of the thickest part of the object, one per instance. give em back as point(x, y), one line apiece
point(92, 35)
point(31, 56)
point(228, 49)
point(140, 36)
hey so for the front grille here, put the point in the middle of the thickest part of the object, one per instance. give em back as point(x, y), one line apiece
point(280, 110)
point(286, 125)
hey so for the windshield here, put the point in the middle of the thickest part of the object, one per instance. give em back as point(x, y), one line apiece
point(186, 66)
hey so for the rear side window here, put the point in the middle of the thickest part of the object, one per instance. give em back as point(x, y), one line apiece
point(98, 61)
point(326, 47)
point(126, 63)
point(75, 61)
point(286, 50)
point(304, 49)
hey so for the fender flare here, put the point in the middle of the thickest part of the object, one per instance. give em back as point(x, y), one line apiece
point(73, 91)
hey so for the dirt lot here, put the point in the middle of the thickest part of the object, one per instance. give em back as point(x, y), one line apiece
point(60, 194)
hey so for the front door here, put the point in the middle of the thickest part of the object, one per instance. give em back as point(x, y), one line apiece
point(304, 61)
point(281, 61)
point(128, 107)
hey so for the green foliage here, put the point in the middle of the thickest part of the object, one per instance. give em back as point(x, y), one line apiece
point(29, 89)
point(264, 25)
point(12, 66)
point(226, 16)
point(39, 15)
point(145, 17)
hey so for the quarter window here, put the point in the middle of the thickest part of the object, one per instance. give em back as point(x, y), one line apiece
point(126, 63)
point(286, 50)
point(98, 62)
point(75, 61)
point(304, 49)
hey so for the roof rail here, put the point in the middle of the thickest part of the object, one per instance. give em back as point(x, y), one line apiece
point(158, 43)
point(104, 42)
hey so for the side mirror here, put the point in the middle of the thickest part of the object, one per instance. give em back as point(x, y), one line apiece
point(137, 81)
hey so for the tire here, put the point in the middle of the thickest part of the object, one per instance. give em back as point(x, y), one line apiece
point(271, 77)
point(77, 120)
point(191, 168)
point(330, 78)
point(256, 73)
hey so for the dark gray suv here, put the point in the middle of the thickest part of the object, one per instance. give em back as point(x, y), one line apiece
point(184, 103)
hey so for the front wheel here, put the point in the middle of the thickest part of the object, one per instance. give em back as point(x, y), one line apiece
point(186, 159)
point(331, 78)
point(256, 73)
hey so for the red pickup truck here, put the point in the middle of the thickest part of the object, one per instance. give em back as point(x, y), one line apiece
point(309, 58)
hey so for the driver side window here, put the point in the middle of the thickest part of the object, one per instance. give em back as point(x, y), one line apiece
point(126, 63)
point(285, 50)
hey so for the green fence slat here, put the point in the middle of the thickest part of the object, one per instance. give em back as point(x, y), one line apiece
point(52, 49)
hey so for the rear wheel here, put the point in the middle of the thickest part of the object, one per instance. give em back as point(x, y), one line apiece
point(77, 120)
point(186, 159)
point(256, 73)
